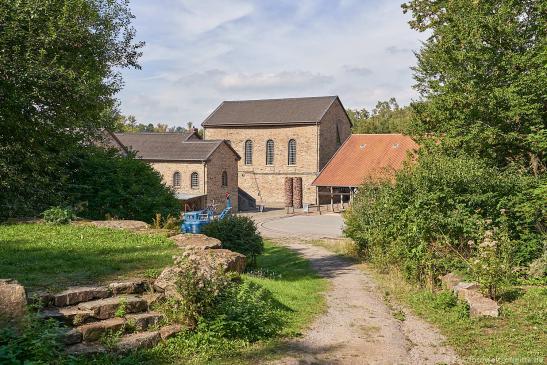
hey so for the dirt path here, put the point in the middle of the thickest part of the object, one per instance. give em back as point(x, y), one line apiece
point(359, 327)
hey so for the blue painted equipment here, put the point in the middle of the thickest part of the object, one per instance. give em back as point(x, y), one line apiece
point(193, 221)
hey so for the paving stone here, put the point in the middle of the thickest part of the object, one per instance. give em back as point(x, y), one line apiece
point(128, 287)
point(142, 321)
point(77, 295)
point(71, 336)
point(138, 341)
point(85, 349)
point(106, 308)
point(94, 331)
point(170, 331)
point(69, 315)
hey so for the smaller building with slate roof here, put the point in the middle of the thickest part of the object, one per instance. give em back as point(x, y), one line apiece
point(201, 172)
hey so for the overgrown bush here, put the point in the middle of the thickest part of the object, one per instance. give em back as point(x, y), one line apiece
point(431, 220)
point(36, 342)
point(238, 234)
point(58, 215)
point(105, 183)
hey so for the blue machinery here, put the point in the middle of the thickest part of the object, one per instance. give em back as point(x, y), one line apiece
point(193, 221)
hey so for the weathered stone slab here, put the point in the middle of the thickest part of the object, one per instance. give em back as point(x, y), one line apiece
point(106, 308)
point(85, 349)
point(479, 305)
point(167, 281)
point(170, 331)
point(13, 301)
point(450, 280)
point(94, 331)
point(68, 315)
point(127, 287)
point(121, 224)
point(142, 321)
point(465, 285)
point(153, 298)
point(196, 241)
point(72, 336)
point(77, 295)
point(227, 260)
point(137, 341)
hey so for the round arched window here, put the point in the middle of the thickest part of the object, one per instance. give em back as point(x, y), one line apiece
point(194, 180)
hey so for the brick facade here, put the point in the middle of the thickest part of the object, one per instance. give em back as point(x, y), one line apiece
point(315, 145)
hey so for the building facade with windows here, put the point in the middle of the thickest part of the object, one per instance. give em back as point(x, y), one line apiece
point(280, 138)
point(200, 172)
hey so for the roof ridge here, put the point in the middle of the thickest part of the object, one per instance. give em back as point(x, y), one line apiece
point(277, 99)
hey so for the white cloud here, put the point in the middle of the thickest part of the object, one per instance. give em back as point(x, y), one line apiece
point(200, 52)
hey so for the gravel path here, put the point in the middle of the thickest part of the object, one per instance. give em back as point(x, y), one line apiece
point(359, 327)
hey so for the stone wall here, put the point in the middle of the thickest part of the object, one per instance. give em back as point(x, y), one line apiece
point(223, 159)
point(265, 182)
point(167, 169)
point(329, 144)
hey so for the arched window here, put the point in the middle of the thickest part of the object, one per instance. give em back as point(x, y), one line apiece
point(292, 152)
point(224, 178)
point(248, 152)
point(269, 152)
point(176, 179)
point(194, 180)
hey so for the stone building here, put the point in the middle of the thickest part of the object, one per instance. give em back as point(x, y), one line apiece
point(200, 172)
point(280, 138)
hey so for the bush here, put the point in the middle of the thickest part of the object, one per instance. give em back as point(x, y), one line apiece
point(104, 183)
point(238, 234)
point(432, 218)
point(58, 215)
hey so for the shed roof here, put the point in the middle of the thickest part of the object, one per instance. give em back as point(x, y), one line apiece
point(270, 112)
point(170, 146)
point(366, 156)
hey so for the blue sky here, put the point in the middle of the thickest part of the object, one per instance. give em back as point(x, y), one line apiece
point(200, 52)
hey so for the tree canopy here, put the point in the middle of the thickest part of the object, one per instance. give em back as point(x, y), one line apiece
point(60, 63)
point(386, 117)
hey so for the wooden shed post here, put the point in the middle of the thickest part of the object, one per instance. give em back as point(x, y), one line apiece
point(331, 200)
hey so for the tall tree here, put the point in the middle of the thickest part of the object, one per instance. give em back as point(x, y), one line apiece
point(60, 64)
point(386, 117)
point(482, 72)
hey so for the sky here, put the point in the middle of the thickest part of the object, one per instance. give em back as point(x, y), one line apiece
point(201, 52)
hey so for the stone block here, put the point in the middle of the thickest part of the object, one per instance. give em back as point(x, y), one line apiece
point(170, 331)
point(77, 295)
point(94, 331)
point(13, 301)
point(106, 308)
point(127, 287)
point(121, 224)
point(167, 281)
point(450, 280)
point(142, 321)
point(197, 241)
point(68, 315)
point(71, 337)
point(137, 341)
point(479, 305)
point(81, 349)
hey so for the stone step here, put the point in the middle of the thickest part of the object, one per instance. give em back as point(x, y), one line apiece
point(143, 321)
point(138, 340)
point(72, 316)
point(85, 349)
point(77, 295)
point(94, 331)
point(107, 308)
point(128, 287)
point(169, 331)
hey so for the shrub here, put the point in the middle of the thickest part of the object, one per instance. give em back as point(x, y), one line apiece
point(35, 342)
point(430, 220)
point(58, 215)
point(238, 234)
point(105, 183)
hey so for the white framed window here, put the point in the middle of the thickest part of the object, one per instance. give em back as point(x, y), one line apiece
point(176, 179)
point(224, 178)
point(248, 152)
point(194, 180)
point(292, 152)
point(270, 152)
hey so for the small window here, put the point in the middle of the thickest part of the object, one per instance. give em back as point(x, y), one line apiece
point(176, 179)
point(194, 180)
point(224, 178)
point(292, 152)
point(248, 152)
point(269, 152)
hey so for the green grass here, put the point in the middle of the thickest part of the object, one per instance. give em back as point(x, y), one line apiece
point(43, 256)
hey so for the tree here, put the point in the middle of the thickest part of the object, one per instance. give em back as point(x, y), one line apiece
point(482, 72)
point(60, 63)
point(386, 117)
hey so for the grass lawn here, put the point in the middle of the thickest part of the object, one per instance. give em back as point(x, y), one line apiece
point(43, 256)
point(519, 335)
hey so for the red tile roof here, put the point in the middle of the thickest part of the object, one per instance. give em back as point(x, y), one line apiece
point(366, 156)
